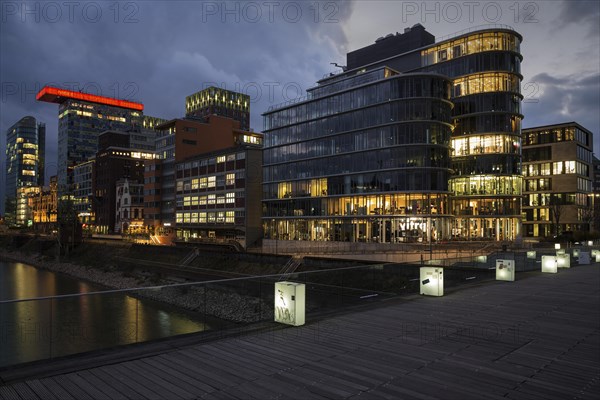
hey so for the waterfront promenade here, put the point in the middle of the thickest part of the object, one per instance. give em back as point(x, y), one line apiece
point(536, 338)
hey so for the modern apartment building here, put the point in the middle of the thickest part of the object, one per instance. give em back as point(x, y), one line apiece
point(178, 140)
point(82, 117)
point(415, 140)
point(218, 196)
point(217, 101)
point(25, 148)
point(559, 175)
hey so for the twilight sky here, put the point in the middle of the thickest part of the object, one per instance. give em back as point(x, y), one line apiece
point(158, 52)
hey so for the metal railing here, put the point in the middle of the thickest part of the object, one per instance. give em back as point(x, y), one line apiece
point(54, 326)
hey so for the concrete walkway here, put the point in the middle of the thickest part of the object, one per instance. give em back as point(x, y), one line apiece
point(536, 338)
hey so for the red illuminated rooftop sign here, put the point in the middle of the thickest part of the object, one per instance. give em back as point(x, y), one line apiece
point(55, 95)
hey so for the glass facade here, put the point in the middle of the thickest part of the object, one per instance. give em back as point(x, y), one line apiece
point(486, 139)
point(79, 125)
point(365, 158)
point(24, 158)
point(369, 151)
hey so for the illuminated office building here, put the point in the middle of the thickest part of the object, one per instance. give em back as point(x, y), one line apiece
point(559, 175)
point(25, 148)
point(368, 155)
point(218, 101)
point(82, 117)
point(179, 140)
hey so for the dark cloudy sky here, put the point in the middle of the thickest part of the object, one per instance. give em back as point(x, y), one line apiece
point(158, 52)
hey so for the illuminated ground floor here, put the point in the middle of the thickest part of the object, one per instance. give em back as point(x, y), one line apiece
point(392, 229)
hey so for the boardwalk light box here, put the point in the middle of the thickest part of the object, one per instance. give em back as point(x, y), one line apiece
point(505, 270)
point(576, 252)
point(549, 264)
point(431, 281)
point(595, 253)
point(560, 252)
point(563, 261)
point(290, 298)
point(531, 254)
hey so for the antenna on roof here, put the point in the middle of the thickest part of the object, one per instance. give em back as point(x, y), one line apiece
point(343, 67)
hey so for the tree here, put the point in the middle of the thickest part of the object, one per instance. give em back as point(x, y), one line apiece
point(557, 207)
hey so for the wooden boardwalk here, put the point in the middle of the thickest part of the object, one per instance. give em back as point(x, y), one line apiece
point(536, 338)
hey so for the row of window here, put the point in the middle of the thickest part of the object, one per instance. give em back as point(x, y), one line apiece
point(395, 88)
point(488, 164)
point(479, 42)
point(430, 180)
point(480, 62)
point(413, 157)
point(209, 182)
point(223, 198)
point(392, 135)
point(494, 102)
point(487, 123)
point(359, 205)
point(486, 185)
point(219, 217)
point(557, 168)
point(486, 83)
point(485, 144)
point(555, 135)
point(409, 111)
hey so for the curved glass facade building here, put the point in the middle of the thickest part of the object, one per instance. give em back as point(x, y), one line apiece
point(365, 157)
point(369, 155)
point(485, 148)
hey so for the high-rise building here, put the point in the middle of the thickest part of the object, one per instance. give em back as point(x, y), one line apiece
point(559, 175)
point(379, 153)
point(82, 117)
point(25, 142)
point(217, 101)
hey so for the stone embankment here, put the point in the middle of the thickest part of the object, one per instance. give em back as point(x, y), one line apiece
point(210, 299)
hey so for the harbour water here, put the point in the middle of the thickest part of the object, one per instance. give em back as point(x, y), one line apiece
point(44, 328)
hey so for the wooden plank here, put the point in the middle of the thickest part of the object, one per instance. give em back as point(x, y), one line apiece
point(136, 370)
point(56, 389)
point(87, 387)
point(112, 374)
point(9, 393)
point(177, 378)
point(40, 390)
point(116, 384)
point(186, 373)
point(205, 374)
point(110, 391)
point(72, 388)
point(24, 391)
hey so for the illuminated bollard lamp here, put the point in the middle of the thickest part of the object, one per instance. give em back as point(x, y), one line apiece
point(431, 281)
point(290, 298)
point(549, 264)
point(505, 270)
point(563, 261)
